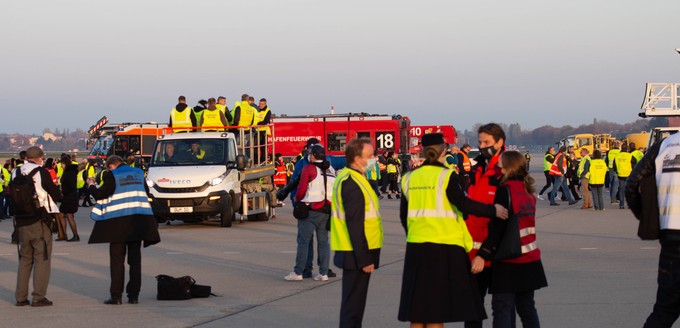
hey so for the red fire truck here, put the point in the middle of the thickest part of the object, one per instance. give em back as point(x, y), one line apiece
point(387, 132)
point(417, 132)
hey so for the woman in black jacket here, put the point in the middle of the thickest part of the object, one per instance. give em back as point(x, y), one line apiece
point(69, 205)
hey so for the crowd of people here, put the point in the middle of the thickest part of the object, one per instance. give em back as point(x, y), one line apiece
point(588, 178)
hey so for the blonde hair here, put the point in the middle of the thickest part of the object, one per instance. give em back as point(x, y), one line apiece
point(514, 164)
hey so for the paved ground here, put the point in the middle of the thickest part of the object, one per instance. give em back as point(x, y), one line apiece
point(600, 275)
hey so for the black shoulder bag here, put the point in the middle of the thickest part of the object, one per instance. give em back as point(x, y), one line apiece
point(510, 245)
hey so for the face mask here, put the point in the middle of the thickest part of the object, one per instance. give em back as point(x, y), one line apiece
point(370, 164)
point(488, 152)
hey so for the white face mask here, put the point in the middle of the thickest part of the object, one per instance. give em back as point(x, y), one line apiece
point(370, 164)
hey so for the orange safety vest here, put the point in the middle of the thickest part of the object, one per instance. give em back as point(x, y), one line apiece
point(556, 171)
point(280, 178)
point(467, 166)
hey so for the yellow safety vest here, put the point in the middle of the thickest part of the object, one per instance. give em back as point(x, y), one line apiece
point(546, 163)
point(212, 118)
point(200, 155)
point(373, 228)
point(598, 170)
point(582, 165)
point(259, 117)
point(623, 165)
point(637, 154)
point(80, 181)
point(247, 117)
point(181, 119)
point(431, 217)
point(611, 156)
point(392, 168)
point(221, 108)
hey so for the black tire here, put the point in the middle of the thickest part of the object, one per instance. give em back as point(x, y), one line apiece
point(227, 213)
point(267, 213)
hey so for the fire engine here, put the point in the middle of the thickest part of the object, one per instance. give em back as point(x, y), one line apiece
point(122, 139)
point(386, 132)
point(417, 132)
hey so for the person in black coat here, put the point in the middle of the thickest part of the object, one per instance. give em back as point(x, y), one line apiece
point(124, 234)
point(69, 204)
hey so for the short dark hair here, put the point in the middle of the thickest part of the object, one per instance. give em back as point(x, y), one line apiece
point(220, 98)
point(631, 146)
point(115, 160)
point(244, 97)
point(33, 152)
point(562, 149)
point(597, 154)
point(22, 155)
point(251, 98)
point(312, 141)
point(262, 99)
point(182, 98)
point(465, 146)
point(354, 148)
point(493, 129)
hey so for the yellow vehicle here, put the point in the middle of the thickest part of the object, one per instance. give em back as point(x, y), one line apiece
point(640, 139)
point(589, 141)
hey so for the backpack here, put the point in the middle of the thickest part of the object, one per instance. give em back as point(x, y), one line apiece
point(25, 203)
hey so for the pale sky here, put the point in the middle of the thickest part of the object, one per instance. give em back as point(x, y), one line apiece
point(67, 63)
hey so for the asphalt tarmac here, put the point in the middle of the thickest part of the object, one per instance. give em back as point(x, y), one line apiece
point(599, 274)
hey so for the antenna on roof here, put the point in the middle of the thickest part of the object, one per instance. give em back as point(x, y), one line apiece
point(332, 109)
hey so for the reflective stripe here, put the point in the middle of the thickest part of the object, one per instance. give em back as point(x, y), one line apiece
point(529, 247)
point(436, 213)
point(114, 208)
point(122, 195)
point(476, 245)
point(527, 231)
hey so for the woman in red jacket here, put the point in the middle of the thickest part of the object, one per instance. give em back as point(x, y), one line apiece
point(514, 281)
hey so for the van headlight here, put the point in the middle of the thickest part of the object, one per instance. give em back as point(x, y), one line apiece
point(149, 183)
point(217, 180)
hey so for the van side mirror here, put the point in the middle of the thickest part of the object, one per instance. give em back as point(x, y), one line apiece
point(240, 162)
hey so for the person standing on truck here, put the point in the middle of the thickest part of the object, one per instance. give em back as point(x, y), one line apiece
point(213, 118)
point(244, 116)
point(198, 110)
point(182, 116)
point(124, 219)
point(222, 106)
point(464, 166)
point(263, 117)
point(314, 191)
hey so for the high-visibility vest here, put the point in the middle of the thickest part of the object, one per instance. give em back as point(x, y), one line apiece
point(247, 115)
point(623, 165)
point(582, 165)
point(316, 190)
point(199, 155)
point(212, 117)
point(221, 108)
point(556, 171)
point(259, 117)
point(391, 167)
point(546, 161)
point(373, 228)
point(80, 182)
point(280, 178)
point(611, 155)
point(233, 112)
point(637, 154)
point(598, 170)
point(129, 198)
point(467, 165)
point(198, 114)
point(181, 119)
point(6, 176)
point(431, 217)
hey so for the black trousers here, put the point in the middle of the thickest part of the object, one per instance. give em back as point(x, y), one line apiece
point(667, 306)
point(354, 291)
point(134, 259)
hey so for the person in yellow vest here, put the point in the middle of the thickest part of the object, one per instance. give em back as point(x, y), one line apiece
point(437, 283)
point(598, 170)
point(623, 165)
point(198, 110)
point(80, 180)
point(222, 106)
point(613, 177)
point(393, 166)
point(263, 117)
point(2, 191)
point(213, 119)
point(182, 116)
point(583, 173)
point(356, 230)
point(196, 151)
point(635, 152)
point(244, 116)
point(89, 173)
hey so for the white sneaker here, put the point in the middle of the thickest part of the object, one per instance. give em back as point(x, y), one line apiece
point(321, 277)
point(294, 277)
point(540, 197)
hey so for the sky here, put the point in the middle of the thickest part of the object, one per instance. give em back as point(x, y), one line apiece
point(67, 63)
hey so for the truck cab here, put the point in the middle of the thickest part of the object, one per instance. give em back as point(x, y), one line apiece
point(198, 176)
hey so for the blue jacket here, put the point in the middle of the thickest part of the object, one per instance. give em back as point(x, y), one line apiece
point(129, 198)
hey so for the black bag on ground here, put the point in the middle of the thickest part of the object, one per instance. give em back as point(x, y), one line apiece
point(510, 245)
point(174, 289)
point(200, 291)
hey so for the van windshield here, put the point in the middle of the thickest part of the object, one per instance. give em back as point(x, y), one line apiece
point(190, 152)
point(102, 145)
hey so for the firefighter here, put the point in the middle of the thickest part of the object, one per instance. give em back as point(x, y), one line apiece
point(281, 175)
point(182, 116)
point(213, 117)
